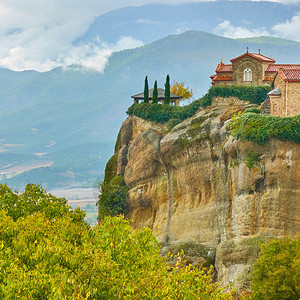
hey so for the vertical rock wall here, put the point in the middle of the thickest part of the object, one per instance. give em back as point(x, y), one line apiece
point(192, 185)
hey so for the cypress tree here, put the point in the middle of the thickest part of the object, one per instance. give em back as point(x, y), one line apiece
point(146, 90)
point(155, 93)
point(167, 90)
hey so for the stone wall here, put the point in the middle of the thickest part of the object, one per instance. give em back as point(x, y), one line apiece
point(290, 95)
point(225, 101)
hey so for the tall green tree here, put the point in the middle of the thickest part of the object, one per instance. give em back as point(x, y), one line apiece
point(155, 93)
point(167, 90)
point(146, 91)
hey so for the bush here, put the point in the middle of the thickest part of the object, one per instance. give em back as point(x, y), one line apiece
point(113, 198)
point(261, 128)
point(253, 110)
point(253, 94)
point(277, 271)
point(251, 159)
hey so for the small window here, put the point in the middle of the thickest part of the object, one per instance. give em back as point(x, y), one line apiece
point(247, 74)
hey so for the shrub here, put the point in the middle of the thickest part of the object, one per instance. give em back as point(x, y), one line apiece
point(253, 94)
point(253, 110)
point(276, 273)
point(260, 128)
point(113, 198)
point(251, 159)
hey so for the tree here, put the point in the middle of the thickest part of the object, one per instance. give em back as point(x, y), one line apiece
point(62, 258)
point(276, 272)
point(167, 90)
point(113, 197)
point(180, 90)
point(155, 93)
point(146, 91)
point(35, 199)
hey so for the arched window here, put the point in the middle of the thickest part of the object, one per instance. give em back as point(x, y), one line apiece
point(247, 74)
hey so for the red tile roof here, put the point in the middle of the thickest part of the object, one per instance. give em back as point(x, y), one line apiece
point(256, 56)
point(274, 68)
point(221, 78)
point(289, 74)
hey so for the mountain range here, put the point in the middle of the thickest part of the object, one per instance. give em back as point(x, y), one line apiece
point(57, 128)
point(148, 23)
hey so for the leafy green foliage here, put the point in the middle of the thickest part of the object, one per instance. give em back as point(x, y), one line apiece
point(146, 91)
point(254, 94)
point(251, 159)
point(113, 198)
point(33, 200)
point(64, 258)
point(276, 273)
point(167, 90)
point(161, 113)
point(155, 93)
point(254, 110)
point(111, 168)
point(260, 128)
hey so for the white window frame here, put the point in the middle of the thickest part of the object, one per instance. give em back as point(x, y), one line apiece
point(247, 74)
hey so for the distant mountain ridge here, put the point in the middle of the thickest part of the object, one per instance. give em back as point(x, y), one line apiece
point(65, 108)
point(154, 21)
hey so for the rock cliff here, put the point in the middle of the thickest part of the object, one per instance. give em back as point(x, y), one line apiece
point(196, 185)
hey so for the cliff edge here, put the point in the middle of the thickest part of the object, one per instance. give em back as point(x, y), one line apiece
point(197, 185)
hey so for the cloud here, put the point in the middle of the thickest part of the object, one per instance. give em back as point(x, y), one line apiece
point(126, 42)
point(289, 29)
point(40, 34)
point(147, 21)
point(226, 29)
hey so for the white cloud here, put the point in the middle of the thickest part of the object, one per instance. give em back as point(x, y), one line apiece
point(126, 42)
point(289, 29)
point(147, 21)
point(226, 29)
point(39, 34)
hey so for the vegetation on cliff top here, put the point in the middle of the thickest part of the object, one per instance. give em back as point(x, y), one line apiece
point(49, 252)
point(260, 128)
point(164, 113)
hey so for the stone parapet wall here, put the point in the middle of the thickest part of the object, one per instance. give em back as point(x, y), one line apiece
point(225, 101)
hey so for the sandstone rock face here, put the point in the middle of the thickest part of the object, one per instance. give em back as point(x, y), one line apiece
point(197, 184)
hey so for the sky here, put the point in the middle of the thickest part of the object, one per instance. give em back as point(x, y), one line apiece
point(38, 34)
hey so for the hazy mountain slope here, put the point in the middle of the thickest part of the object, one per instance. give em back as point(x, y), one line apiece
point(151, 22)
point(56, 110)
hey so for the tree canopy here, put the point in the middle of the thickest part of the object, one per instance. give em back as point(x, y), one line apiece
point(146, 90)
point(277, 271)
point(167, 90)
point(180, 90)
point(52, 254)
point(155, 93)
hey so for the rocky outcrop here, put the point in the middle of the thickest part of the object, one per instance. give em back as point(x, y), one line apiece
point(198, 185)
